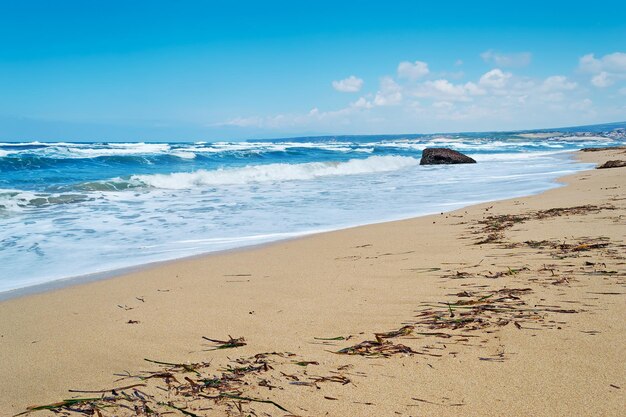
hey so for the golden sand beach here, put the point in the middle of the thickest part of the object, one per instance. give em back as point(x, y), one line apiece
point(509, 308)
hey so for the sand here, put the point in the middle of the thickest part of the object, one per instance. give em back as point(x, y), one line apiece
point(553, 347)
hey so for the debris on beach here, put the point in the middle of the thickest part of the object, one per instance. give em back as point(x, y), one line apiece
point(187, 389)
point(373, 348)
point(494, 225)
point(226, 344)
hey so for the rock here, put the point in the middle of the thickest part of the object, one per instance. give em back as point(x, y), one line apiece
point(435, 156)
point(613, 164)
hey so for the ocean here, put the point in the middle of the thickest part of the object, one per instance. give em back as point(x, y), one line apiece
point(73, 209)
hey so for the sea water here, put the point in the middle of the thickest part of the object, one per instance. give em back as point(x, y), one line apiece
point(71, 209)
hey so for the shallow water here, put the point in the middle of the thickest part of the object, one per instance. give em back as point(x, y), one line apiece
point(69, 209)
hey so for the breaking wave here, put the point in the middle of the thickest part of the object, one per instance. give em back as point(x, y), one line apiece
point(273, 172)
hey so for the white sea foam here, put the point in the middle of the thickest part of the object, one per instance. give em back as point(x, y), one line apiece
point(184, 154)
point(513, 156)
point(87, 150)
point(21, 143)
point(15, 200)
point(111, 150)
point(274, 172)
point(591, 138)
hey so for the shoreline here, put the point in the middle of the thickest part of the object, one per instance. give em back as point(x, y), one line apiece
point(284, 296)
point(60, 283)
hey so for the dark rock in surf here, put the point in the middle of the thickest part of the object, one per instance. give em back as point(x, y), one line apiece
point(436, 156)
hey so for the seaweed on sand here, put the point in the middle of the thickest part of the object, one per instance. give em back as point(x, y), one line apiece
point(188, 388)
point(373, 348)
point(226, 344)
point(493, 226)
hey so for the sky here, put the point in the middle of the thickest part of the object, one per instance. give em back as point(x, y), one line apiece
point(229, 70)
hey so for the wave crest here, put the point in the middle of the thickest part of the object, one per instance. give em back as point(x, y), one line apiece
point(273, 172)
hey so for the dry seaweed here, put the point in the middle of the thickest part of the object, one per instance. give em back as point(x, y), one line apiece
point(330, 338)
point(403, 331)
point(257, 400)
point(434, 403)
point(373, 348)
point(494, 225)
point(71, 404)
point(186, 367)
point(305, 363)
point(226, 344)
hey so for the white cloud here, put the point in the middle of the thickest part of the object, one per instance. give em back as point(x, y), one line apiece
point(316, 114)
point(282, 121)
point(445, 87)
point(606, 70)
point(390, 93)
point(495, 78)
point(446, 105)
point(602, 79)
point(253, 121)
point(351, 84)
point(474, 89)
point(444, 90)
point(615, 62)
point(558, 83)
point(589, 63)
point(554, 88)
point(520, 59)
point(412, 70)
point(362, 103)
point(497, 99)
point(391, 99)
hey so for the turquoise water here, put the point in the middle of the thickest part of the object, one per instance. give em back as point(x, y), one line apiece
point(70, 209)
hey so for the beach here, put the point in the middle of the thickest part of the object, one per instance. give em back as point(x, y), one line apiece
point(513, 307)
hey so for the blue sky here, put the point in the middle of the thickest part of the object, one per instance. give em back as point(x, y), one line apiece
point(226, 70)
